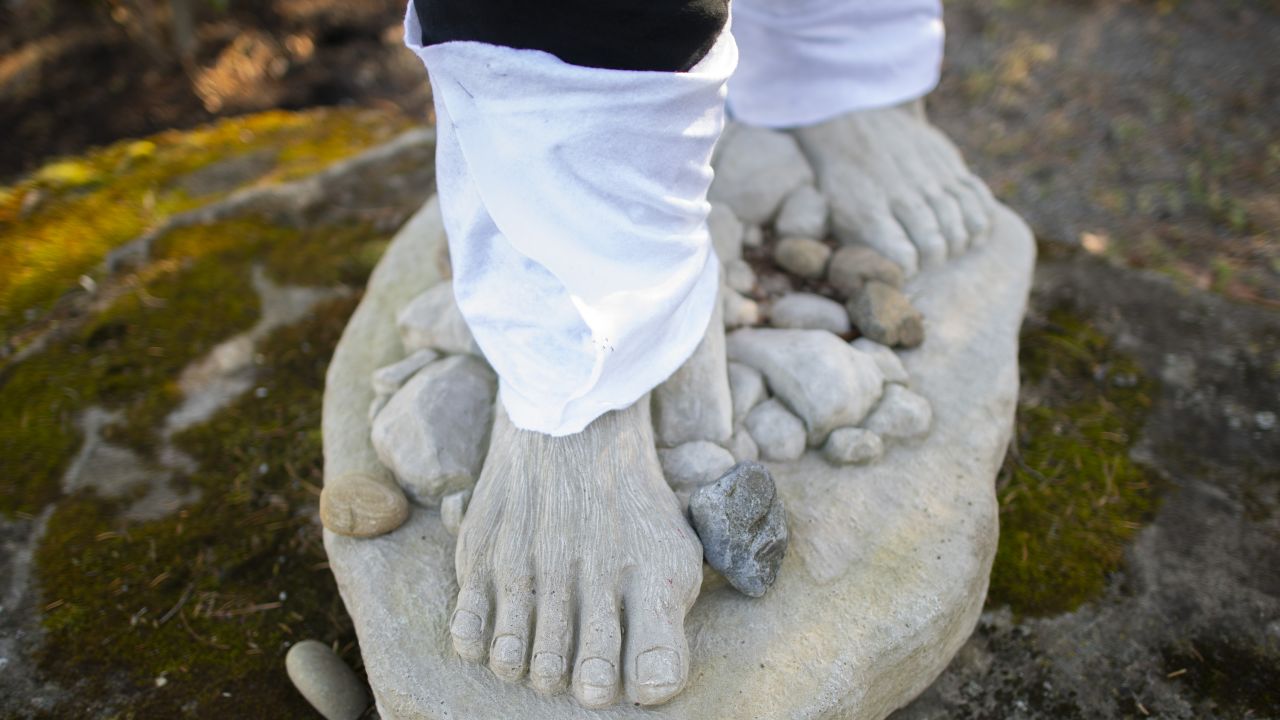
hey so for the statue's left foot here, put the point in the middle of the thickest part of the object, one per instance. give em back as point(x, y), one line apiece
point(898, 185)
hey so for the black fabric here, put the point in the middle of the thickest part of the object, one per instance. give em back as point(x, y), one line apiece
point(668, 35)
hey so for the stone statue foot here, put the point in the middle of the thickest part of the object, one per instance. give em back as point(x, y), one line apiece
point(575, 564)
point(897, 184)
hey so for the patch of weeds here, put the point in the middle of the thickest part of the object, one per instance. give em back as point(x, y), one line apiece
point(59, 223)
point(1070, 497)
point(1235, 676)
point(210, 598)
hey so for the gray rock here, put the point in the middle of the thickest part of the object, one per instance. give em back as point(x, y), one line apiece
point(901, 414)
point(886, 359)
point(848, 446)
point(853, 266)
point(325, 681)
point(743, 527)
point(755, 169)
point(726, 232)
point(803, 256)
point(694, 403)
point(738, 310)
point(779, 435)
point(388, 379)
point(803, 213)
point(806, 311)
point(746, 387)
point(827, 382)
point(753, 236)
point(432, 321)
point(743, 447)
point(739, 276)
point(434, 432)
point(885, 315)
point(452, 508)
point(694, 464)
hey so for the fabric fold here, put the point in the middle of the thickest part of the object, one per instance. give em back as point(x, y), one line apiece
point(807, 61)
point(574, 199)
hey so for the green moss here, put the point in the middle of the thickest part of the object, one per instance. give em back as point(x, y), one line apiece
point(125, 357)
point(59, 223)
point(210, 598)
point(1070, 496)
point(196, 293)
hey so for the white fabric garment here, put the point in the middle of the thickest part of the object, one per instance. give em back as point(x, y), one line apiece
point(574, 199)
point(807, 61)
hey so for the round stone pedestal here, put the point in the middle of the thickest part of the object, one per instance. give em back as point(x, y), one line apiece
point(888, 563)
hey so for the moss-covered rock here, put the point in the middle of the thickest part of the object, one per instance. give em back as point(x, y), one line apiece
point(209, 598)
point(59, 223)
point(1070, 495)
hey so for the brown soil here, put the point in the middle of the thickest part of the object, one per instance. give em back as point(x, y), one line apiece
point(78, 73)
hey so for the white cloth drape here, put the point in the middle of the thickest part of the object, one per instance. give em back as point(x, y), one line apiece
point(807, 61)
point(574, 199)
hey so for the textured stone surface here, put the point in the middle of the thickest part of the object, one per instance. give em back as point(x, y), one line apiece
point(806, 311)
point(803, 213)
point(694, 464)
point(853, 266)
point(738, 310)
point(739, 276)
point(885, 572)
point(884, 314)
point(743, 527)
point(756, 169)
point(846, 446)
point(387, 380)
point(826, 381)
point(726, 232)
point(803, 256)
point(901, 414)
point(886, 359)
point(434, 432)
point(325, 681)
point(778, 433)
point(746, 387)
point(694, 403)
point(742, 446)
point(432, 321)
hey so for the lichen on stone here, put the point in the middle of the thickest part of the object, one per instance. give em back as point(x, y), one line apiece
point(1070, 495)
point(59, 222)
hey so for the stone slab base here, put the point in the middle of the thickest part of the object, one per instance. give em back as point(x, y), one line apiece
point(888, 564)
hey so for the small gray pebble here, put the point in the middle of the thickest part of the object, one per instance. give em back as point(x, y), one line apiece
point(325, 681)
point(805, 257)
point(743, 527)
point(848, 446)
point(882, 313)
point(853, 266)
point(806, 311)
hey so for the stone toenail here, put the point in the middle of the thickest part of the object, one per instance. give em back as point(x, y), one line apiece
point(466, 625)
point(659, 666)
point(547, 665)
point(508, 650)
point(597, 673)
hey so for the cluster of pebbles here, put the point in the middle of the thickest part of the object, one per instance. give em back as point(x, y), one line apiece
point(810, 329)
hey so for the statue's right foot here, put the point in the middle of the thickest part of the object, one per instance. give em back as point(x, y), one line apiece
point(898, 185)
point(575, 564)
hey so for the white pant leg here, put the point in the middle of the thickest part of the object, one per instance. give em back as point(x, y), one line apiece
point(807, 61)
point(575, 203)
